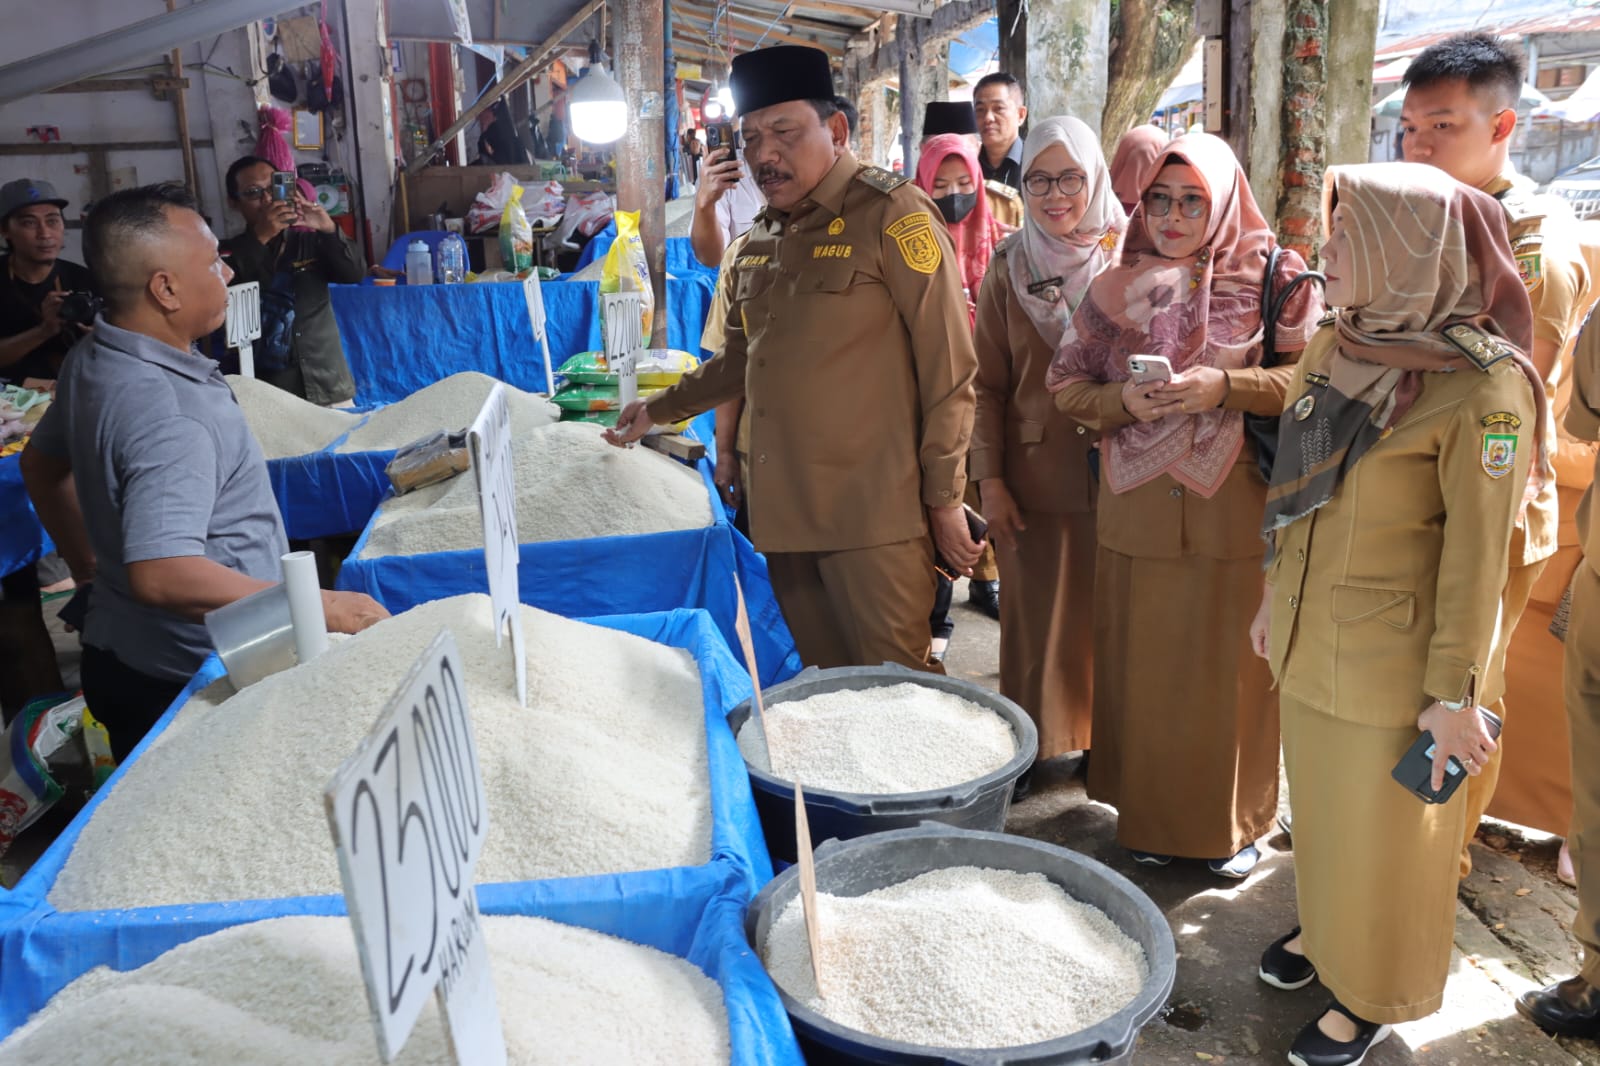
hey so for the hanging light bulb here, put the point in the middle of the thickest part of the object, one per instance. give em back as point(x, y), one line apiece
point(597, 106)
point(725, 98)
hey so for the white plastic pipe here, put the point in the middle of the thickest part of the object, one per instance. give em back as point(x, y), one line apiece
point(305, 605)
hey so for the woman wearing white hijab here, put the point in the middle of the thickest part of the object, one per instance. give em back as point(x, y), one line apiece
point(1030, 461)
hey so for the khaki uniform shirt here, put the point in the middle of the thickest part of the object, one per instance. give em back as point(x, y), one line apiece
point(1583, 422)
point(849, 337)
point(1005, 203)
point(1551, 262)
point(1387, 597)
point(1040, 453)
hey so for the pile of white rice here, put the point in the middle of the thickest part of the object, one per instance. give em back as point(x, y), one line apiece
point(449, 405)
point(289, 990)
point(283, 423)
point(571, 485)
point(960, 957)
point(888, 740)
point(604, 771)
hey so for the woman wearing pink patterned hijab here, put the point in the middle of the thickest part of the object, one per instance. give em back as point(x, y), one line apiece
point(1180, 508)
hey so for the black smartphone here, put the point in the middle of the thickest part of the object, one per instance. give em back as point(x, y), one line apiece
point(77, 608)
point(977, 529)
point(1415, 768)
point(720, 135)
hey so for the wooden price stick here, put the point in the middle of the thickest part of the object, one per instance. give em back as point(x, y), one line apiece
point(741, 625)
point(808, 887)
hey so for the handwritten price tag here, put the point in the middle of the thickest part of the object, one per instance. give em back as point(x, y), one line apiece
point(409, 814)
point(243, 323)
point(624, 341)
point(490, 440)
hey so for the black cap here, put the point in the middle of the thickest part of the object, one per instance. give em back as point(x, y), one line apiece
point(949, 116)
point(778, 75)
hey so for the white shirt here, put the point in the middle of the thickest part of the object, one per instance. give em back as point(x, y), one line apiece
point(737, 210)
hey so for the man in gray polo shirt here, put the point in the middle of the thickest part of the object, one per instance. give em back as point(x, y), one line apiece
point(145, 472)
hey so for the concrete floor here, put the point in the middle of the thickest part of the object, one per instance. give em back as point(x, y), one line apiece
point(1511, 930)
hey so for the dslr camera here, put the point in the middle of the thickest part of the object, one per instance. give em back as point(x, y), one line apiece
point(80, 308)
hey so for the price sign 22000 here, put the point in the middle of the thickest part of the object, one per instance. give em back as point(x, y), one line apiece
point(409, 814)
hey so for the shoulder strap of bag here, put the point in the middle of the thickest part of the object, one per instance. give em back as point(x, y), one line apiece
point(1272, 304)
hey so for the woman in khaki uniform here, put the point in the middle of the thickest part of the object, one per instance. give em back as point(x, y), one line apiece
point(1402, 465)
point(1031, 462)
point(1185, 724)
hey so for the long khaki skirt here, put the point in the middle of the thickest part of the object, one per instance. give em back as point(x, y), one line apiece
point(1185, 720)
point(1374, 866)
point(1535, 787)
point(1047, 627)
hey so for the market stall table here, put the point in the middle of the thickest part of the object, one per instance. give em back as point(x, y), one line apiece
point(22, 539)
point(693, 912)
point(398, 339)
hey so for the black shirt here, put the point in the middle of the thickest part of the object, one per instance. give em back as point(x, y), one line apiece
point(499, 145)
point(317, 371)
point(1009, 171)
point(20, 302)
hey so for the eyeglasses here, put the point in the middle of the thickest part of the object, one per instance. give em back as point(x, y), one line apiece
point(1159, 204)
point(257, 192)
point(1070, 183)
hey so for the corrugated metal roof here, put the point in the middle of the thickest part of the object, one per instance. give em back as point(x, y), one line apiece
point(1567, 22)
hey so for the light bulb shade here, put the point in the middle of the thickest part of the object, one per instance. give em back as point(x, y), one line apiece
point(725, 98)
point(711, 109)
point(597, 107)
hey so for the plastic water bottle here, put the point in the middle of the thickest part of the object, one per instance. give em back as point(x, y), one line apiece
point(452, 259)
point(419, 264)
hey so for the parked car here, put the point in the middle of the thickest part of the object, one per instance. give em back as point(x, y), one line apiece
point(1580, 187)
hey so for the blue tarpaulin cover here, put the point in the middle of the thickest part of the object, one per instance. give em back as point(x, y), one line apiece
point(399, 339)
point(22, 538)
point(694, 912)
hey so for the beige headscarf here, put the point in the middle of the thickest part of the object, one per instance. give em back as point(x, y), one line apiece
point(1426, 253)
point(1043, 266)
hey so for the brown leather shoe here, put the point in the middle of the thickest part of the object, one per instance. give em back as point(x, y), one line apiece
point(1567, 1008)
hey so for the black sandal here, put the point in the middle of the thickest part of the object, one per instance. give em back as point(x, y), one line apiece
point(1282, 968)
point(1313, 1047)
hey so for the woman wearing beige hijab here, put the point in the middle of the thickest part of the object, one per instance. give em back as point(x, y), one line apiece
point(1030, 461)
point(1403, 461)
point(1185, 723)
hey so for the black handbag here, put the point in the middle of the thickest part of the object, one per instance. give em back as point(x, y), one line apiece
point(1262, 430)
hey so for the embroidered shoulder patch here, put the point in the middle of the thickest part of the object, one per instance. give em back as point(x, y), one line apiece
point(1500, 418)
point(1000, 188)
point(1530, 265)
point(880, 179)
point(914, 236)
point(1499, 454)
point(1482, 350)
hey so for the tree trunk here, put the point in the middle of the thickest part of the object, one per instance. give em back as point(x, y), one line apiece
point(1013, 20)
point(1150, 42)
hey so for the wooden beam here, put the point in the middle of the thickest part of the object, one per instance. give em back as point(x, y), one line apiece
point(836, 9)
point(788, 17)
point(696, 15)
point(69, 148)
point(156, 85)
point(534, 62)
point(948, 21)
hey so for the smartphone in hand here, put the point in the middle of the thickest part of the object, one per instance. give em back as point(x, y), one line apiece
point(1149, 369)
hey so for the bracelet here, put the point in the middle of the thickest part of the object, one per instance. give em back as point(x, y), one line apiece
point(1453, 705)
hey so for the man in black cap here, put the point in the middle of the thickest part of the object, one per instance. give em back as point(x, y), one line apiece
point(34, 282)
point(959, 117)
point(849, 338)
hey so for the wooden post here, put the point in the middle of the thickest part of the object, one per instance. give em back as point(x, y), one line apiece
point(191, 174)
point(641, 154)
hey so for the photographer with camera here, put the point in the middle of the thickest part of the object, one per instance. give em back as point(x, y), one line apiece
point(726, 198)
point(46, 302)
point(291, 247)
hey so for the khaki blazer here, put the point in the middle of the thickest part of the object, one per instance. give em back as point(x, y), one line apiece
point(1583, 422)
point(1387, 597)
point(1019, 436)
point(849, 337)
